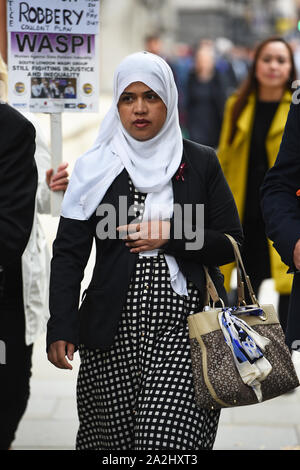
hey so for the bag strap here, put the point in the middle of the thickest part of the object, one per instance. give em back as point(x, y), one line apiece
point(240, 283)
point(211, 291)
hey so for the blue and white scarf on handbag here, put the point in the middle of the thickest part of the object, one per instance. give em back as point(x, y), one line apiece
point(247, 347)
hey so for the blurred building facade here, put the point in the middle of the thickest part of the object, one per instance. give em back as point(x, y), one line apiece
point(125, 23)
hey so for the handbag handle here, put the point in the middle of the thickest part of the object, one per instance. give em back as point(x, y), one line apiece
point(240, 283)
point(211, 291)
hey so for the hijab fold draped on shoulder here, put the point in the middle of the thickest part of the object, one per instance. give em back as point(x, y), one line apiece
point(150, 164)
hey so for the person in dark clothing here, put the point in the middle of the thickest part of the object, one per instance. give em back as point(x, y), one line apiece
point(205, 99)
point(135, 386)
point(281, 211)
point(18, 184)
point(252, 129)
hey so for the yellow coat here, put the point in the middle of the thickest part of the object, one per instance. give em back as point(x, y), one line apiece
point(234, 161)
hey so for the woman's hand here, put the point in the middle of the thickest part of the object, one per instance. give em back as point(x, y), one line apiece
point(59, 181)
point(146, 236)
point(57, 354)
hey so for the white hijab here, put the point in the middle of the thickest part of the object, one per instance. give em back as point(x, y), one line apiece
point(150, 164)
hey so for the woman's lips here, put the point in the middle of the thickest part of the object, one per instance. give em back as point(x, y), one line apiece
point(141, 123)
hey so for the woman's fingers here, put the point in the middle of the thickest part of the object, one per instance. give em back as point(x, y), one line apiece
point(135, 243)
point(57, 354)
point(145, 236)
point(58, 181)
point(70, 351)
point(49, 174)
point(60, 184)
point(140, 249)
point(60, 174)
point(129, 229)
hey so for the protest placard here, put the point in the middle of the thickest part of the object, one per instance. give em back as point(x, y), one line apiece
point(53, 55)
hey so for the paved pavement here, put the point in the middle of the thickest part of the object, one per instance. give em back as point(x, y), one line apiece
point(50, 422)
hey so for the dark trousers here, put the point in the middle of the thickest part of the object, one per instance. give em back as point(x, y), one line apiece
point(16, 371)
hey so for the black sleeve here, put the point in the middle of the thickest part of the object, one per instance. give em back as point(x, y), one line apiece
point(280, 205)
point(18, 183)
point(220, 218)
point(71, 250)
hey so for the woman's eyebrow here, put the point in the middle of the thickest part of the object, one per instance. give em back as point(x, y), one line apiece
point(144, 92)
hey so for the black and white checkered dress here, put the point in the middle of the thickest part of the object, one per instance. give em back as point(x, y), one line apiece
point(139, 395)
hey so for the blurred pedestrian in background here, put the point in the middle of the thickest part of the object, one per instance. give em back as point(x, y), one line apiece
point(252, 129)
point(153, 43)
point(224, 58)
point(295, 44)
point(24, 302)
point(205, 98)
point(182, 63)
point(240, 63)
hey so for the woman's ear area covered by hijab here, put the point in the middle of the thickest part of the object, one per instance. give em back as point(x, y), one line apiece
point(149, 147)
point(142, 111)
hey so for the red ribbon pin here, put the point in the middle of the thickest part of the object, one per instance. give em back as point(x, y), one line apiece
point(180, 174)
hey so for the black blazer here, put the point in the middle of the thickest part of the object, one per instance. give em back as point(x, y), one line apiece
point(281, 210)
point(97, 321)
point(18, 183)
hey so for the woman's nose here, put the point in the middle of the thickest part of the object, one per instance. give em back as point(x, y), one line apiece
point(140, 106)
point(274, 64)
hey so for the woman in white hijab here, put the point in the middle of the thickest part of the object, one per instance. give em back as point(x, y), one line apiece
point(129, 194)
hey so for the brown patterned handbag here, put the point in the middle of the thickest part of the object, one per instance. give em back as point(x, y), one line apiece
point(216, 369)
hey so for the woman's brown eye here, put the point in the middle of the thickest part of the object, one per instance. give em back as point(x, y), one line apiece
point(126, 99)
point(152, 96)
